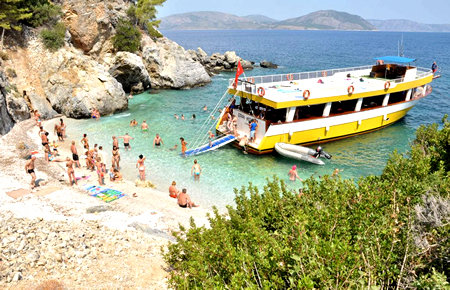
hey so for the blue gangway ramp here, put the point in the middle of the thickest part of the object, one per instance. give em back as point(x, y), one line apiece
point(214, 145)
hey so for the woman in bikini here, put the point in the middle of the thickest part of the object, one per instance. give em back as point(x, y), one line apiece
point(115, 157)
point(140, 165)
point(71, 172)
point(100, 173)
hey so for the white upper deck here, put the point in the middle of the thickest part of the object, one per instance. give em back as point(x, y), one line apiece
point(323, 84)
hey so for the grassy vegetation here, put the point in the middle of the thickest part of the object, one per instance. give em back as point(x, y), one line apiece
point(380, 231)
point(53, 38)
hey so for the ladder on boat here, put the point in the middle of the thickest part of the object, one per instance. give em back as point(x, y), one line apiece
point(201, 142)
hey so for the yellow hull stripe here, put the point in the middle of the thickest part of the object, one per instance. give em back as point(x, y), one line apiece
point(311, 101)
point(321, 134)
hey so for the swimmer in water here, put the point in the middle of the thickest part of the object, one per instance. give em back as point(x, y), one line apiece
point(144, 126)
point(182, 117)
point(157, 141)
point(293, 175)
point(176, 116)
point(205, 108)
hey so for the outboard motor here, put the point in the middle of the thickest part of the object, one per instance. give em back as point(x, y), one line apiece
point(321, 153)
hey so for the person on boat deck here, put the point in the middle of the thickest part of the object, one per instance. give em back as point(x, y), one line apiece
point(434, 67)
point(293, 175)
point(253, 126)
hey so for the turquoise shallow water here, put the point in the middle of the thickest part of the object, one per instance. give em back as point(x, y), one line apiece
point(295, 51)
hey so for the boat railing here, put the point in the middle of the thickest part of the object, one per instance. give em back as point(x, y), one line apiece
point(249, 84)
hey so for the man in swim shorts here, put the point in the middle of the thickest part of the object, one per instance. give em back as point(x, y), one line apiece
point(75, 156)
point(157, 141)
point(29, 168)
point(85, 142)
point(59, 132)
point(184, 200)
point(196, 170)
point(126, 141)
point(44, 138)
point(144, 126)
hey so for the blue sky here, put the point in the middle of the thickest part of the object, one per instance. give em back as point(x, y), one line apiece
point(424, 11)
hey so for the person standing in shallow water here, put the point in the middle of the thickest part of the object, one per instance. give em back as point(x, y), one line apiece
point(157, 141)
point(196, 170)
point(293, 175)
point(75, 156)
point(144, 127)
point(183, 146)
point(141, 167)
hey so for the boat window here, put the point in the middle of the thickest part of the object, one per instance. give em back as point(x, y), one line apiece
point(275, 115)
point(306, 112)
point(371, 102)
point(397, 97)
point(388, 71)
point(343, 107)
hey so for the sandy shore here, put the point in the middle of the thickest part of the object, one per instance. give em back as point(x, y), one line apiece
point(153, 211)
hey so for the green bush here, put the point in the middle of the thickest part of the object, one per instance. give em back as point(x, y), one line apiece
point(127, 38)
point(53, 38)
point(10, 72)
point(154, 32)
point(4, 55)
point(339, 234)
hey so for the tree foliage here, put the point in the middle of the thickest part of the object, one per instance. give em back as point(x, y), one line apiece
point(144, 15)
point(128, 37)
point(11, 13)
point(339, 234)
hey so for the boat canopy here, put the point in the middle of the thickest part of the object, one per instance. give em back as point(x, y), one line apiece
point(395, 59)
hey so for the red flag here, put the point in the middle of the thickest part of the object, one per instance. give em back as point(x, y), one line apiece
point(239, 71)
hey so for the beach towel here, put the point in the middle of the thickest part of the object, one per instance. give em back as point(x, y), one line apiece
point(105, 194)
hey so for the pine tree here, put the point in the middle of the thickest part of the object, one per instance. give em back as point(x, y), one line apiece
point(10, 15)
point(144, 14)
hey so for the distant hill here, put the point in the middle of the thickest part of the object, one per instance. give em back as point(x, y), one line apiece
point(408, 25)
point(327, 19)
point(261, 19)
point(208, 20)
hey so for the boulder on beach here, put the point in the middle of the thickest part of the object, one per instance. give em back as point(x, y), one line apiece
point(267, 64)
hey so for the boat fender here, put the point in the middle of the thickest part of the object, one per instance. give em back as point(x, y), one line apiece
point(324, 73)
point(290, 77)
point(261, 92)
point(350, 90)
point(306, 95)
point(387, 85)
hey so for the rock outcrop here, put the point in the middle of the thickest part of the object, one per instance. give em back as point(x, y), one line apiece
point(217, 62)
point(17, 107)
point(74, 83)
point(91, 22)
point(171, 66)
point(129, 70)
point(267, 64)
point(6, 121)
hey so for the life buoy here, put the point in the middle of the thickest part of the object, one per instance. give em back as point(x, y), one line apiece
point(251, 80)
point(306, 95)
point(290, 77)
point(350, 90)
point(261, 92)
point(324, 73)
point(387, 85)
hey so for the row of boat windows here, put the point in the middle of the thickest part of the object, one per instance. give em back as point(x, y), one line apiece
point(314, 111)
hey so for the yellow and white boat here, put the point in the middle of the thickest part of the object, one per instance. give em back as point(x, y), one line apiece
point(320, 106)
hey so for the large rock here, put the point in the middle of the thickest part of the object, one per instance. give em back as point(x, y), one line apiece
point(74, 83)
point(129, 70)
point(267, 64)
point(91, 22)
point(6, 122)
point(41, 104)
point(17, 107)
point(170, 66)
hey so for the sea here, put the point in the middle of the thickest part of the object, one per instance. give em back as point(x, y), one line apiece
point(228, 168)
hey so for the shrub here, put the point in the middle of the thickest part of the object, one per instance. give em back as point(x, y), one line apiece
point(53, 38)
point(127, 38)
point(11, 72)
point(154, 32)
point(339, 234)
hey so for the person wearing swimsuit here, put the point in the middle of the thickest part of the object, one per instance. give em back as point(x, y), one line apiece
point(183, 146)
point(140, 165)
point(196, 170)
point(85, 142)
point(115, 157)
point(157, 141)
point(71, 172)
point(29, 169)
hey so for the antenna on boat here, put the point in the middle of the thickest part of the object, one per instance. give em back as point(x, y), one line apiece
point(400, 47)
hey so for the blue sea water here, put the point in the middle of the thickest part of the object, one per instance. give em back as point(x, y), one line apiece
point(294, 51)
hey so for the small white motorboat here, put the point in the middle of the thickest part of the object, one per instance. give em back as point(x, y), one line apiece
point(301, 153)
